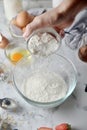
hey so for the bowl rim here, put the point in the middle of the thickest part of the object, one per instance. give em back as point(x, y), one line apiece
point(10, 30)
point(14, 45)
point(52, 103)
point(50, 30)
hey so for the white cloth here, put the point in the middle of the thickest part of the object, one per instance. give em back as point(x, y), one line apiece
point(76, 33)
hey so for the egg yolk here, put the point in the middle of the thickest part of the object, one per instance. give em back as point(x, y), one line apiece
point(16, 57)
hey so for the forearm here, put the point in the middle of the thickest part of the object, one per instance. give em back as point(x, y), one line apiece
point(60, 17)
point(66, 11)
point(72, 7)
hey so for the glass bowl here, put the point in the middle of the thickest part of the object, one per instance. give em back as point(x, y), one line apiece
point(15, 31)
point(55, 63)
point(44, 41)
point(16, 50)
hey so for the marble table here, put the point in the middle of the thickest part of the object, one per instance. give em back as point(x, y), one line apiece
point(72, 111)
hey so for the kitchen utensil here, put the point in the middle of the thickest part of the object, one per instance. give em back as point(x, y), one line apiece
point(8, 104)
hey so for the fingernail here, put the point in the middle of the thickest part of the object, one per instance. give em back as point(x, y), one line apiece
point(62, 33)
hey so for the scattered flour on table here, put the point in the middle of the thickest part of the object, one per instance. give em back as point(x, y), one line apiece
point(45, 87)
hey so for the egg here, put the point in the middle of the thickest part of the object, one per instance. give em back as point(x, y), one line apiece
point(82, 53)
point(17, 53)
point(3, 41)
point(16, 57)
point(23, 18)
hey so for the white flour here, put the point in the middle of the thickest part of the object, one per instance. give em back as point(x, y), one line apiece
point(45, 87)
point(43, 44)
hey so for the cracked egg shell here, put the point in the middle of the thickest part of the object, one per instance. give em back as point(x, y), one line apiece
point(3, 41)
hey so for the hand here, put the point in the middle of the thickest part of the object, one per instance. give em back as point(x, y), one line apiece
point(39, 22)
point(59, 17)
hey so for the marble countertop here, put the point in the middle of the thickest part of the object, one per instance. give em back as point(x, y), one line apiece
point(72, 111)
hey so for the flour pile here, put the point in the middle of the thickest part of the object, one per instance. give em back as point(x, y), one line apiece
point(45, 87)
point(43, 44)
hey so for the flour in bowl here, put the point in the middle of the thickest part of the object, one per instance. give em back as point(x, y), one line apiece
point(43, 44)
point(45, 87)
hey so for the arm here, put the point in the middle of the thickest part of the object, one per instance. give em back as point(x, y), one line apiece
point(60, 17)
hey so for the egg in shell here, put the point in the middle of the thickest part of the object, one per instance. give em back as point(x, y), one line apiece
point(23, 18)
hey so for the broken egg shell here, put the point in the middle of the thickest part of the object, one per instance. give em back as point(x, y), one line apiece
point(82, 53)
point(3, 41)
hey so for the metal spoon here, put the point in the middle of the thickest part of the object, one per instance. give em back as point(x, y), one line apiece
point(8, 104)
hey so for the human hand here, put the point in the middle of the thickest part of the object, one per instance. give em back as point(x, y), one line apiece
point(59, 17)
point(46, 20)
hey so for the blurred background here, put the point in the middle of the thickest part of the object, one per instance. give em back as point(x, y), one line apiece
point(38, 3)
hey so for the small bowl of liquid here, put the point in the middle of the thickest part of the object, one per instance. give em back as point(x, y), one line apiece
point(16, 51)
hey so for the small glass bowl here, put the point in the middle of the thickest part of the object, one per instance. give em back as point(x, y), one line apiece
point(42, 49)
point(15, 51)
point(44, 41)
point(54, 63)
point(15, 31)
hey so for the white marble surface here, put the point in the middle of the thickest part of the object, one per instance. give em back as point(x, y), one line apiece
point(73, 110)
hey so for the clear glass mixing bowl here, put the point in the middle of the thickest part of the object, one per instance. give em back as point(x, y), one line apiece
point(53, 63)
point(44, 41)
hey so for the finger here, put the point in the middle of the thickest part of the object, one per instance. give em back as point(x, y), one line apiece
point(60, 31)
point(36, 24)
point(28, 31)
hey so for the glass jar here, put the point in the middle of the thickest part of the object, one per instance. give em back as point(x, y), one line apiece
point(12, 7)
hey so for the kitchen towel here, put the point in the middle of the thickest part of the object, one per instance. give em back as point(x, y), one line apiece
point(76, 34)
